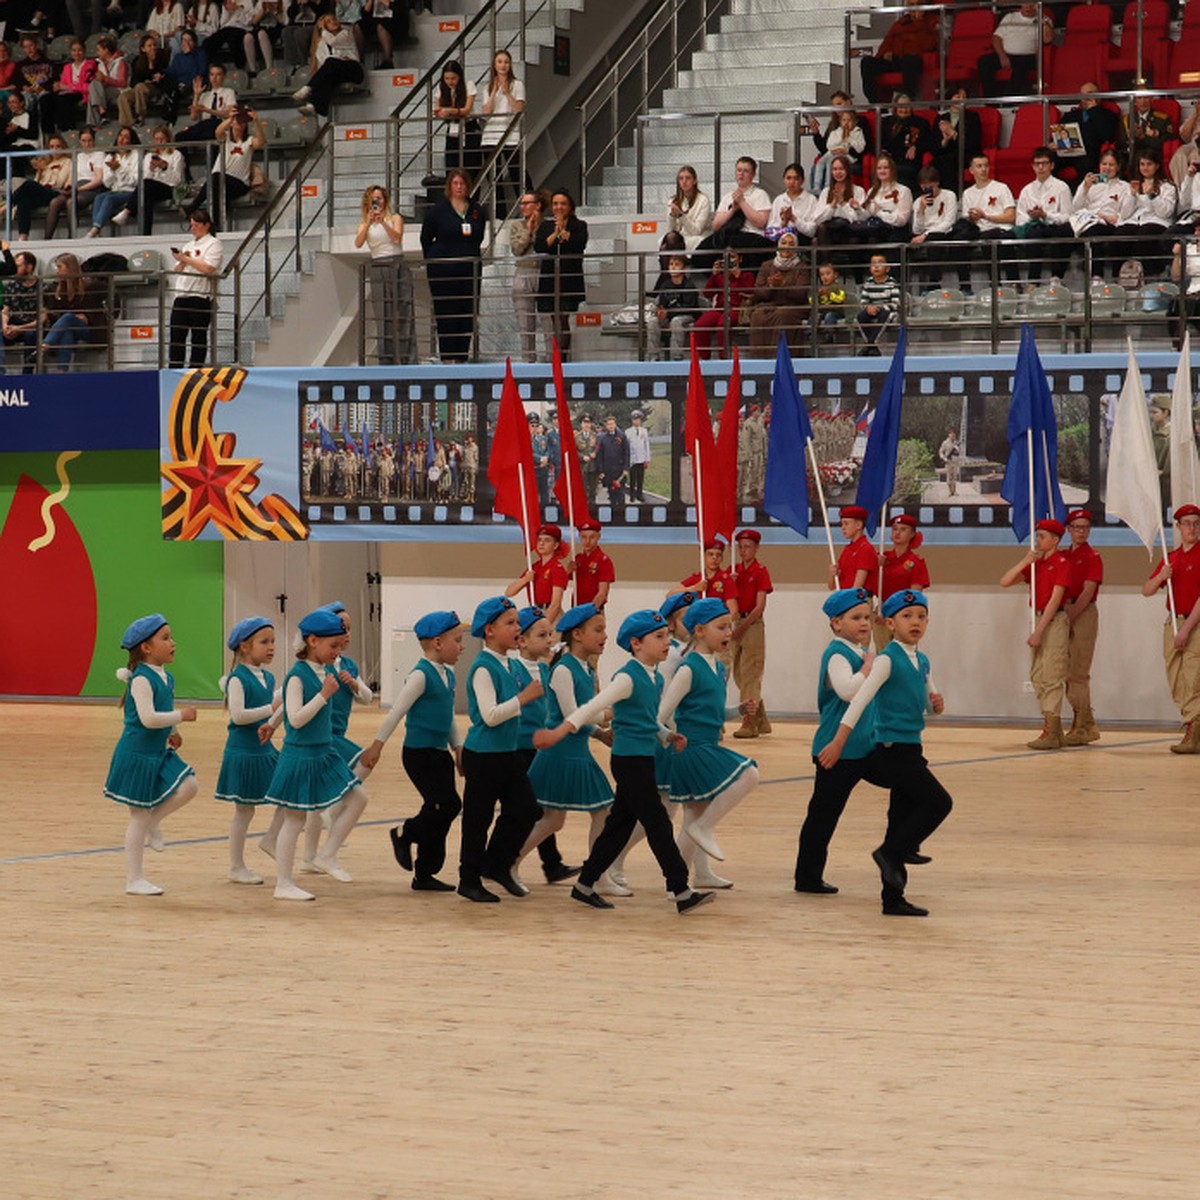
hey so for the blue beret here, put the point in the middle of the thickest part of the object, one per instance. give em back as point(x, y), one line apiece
point(434, 624)
point(843, 600)
point(704, 611)
point(321, 623)
point(574, 617)
point(142, 630)
point(898, 600)
point(528, 617)
point(674, 603)
point(638, 625)
point(334, 606)
point(247, 629)
point(488, 611)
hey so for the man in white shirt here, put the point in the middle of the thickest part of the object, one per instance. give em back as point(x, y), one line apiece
point(739, 219)
point(988, 212)
point(1015, 46)
point(210, 106)
point(1044, 211)
point(638, 437)
point(197, 262)
point(934, 215)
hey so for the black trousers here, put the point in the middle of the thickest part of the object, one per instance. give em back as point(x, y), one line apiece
point(831, 791)
point(190, 314)
point(548, 850)
point(637, 481)
point(637, 799)
point(491, 778)
point(432, 774)
point(918, 803)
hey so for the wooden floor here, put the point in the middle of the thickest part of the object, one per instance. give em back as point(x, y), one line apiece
point(1034, 1039)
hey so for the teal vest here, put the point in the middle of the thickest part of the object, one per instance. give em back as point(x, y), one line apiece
point(533, 714)
point(318, 731)
point(900, 703)
point(256, 695)
point(342, 701)
point(635, 721)
point(428, 723)
point(832, 708)
point(485, 739)
point(700, 716)
point(135, 735)
point(583, 680)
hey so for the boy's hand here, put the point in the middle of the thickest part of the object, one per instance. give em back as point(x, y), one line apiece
point(828, 757)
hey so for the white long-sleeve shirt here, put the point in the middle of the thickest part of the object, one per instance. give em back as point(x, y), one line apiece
point(1053, 196)
point(1105, 199)
point(678, 688)
point(362, 693)
point(143, 699)
point(892, 204)
point(411, 691)
point(621, 688)
point(806, 212)
point(844, 677)
point(490, 711)
point(845, 211)
point(298, 713)
point(1158, 209)
point(938, 216)
point(881, 672)
point(235, 694)
point(562, 684)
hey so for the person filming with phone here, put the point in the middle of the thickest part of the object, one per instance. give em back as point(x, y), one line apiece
point(197, 264)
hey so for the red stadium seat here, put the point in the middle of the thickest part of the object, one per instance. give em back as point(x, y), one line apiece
point(1121, 63)
point(970, 39)
point(1011, 164)
point(1185, 58)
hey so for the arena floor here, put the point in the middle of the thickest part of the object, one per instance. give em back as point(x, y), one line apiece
point(1034, 1038)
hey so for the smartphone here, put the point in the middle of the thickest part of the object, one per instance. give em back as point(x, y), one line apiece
point(175, 250)
point(927, 193)
point(1101, 177)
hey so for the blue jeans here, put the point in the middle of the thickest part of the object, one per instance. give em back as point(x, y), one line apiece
point(107, 205)
point(64, 335)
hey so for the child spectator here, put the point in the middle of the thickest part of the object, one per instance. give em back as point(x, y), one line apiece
point(880, 300)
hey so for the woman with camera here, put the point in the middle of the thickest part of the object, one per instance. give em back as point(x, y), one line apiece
point(382, 232)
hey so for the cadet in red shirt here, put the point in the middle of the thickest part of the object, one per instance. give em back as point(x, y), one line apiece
point(594, 573)
point(858, 564)
point(1051, 635)
point(547, 576)
point(1087, 574)
point(718, 579)
point(753, 583)
point(904, 570)
point(1181, 642)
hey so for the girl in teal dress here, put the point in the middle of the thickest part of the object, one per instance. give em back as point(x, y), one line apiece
point(249, 759)
point(708, 779)
point(566, 778)
point(146, 774)
point(310, 774)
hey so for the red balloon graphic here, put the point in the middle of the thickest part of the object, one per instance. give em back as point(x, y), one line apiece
point(48, 602)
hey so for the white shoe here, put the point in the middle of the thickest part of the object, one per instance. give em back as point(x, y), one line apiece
point(606, 885)
point(328, 866)
point(243, 875)
point(617, 876)
point(154, 839)
point(307, 868)
point(268, 848)
point(121, 217)
point(289, 891)
point(302, 94)
point(142, 887)
point(307, 110)
point(702, 880)
point(704, 839)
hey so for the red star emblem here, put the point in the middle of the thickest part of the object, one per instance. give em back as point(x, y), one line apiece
point(212, 485)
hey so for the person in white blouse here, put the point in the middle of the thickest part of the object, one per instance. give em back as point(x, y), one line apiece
point(1140, 235)
point(794, 210)
point(197, 262)
point(689, 211)
point(638, 438)
point(1102, 201)
point(1044, 213)
point(162, 173)
point(503, 99)
point(166, 19)
point(934, 215)
point(889, 206)
point(842, 205)
point(120, 180)
point(740, 219)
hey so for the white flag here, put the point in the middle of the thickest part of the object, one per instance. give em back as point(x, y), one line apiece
point(1185, 463)
point(1131, 489)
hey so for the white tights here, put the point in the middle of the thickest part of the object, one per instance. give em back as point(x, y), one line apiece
point(314, 824)
point(292, 821)
point(140, 821)
point(707, 815)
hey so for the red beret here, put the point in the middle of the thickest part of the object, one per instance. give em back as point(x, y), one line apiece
point(904, 519)
point(1186, 510)
point(588, 524)
point(751, 535)
point(1051, 526)
point(1079, 514)
point(551, 531)
point(855, 512)
point(714, 544)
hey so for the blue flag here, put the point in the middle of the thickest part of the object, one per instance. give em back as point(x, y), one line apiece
point(327, 442)
point(349, 442)
point(430, 454)
point(878, 479)
point(365, 442)
point(785, 495)
point(1032, 411)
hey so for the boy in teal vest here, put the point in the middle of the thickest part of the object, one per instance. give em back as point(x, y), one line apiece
point(493, 766)
point(845, 666)
point(432, 749)
point(900, 681)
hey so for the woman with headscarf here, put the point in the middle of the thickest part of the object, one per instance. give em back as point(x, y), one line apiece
point(781, 300)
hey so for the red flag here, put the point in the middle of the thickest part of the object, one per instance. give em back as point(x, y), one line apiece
point(510, 462)
point(568, 487)
point(727, 452)
point(698, 441)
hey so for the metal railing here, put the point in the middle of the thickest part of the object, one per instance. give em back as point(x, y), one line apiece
point(609, 111)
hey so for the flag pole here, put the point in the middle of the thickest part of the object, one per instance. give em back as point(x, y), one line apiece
point(1162, 533)
point(525, 528)
point(879, 596)
point(1033, 519)
point(571, 519)
point(699, 481)
point(812, 454)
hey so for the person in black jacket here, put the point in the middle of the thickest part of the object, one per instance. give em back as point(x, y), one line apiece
point(906, 137)
point(956, 139)
point(1098, 127)
point(451, 238)
point(612, 455)
point(678, 305)
point(562, 238)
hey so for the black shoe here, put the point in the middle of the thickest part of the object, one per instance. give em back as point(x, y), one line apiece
point(559, 872)
point(902, 908)
point(693, 901)
point(431, 884)
point(513, 886)
point(917, 859)
point(591, 899)
point(892, 870)
point(401, 847)
point(818, 887)
point(477, 893)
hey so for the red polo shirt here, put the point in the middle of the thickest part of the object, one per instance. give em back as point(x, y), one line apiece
point(904, 572)
point(1086, 567)
point(546, 577)
point(721, 585)
point(859, 555)
point(591, 570)
point(1185, 579)
point(749, 581)
point(1052, 570)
